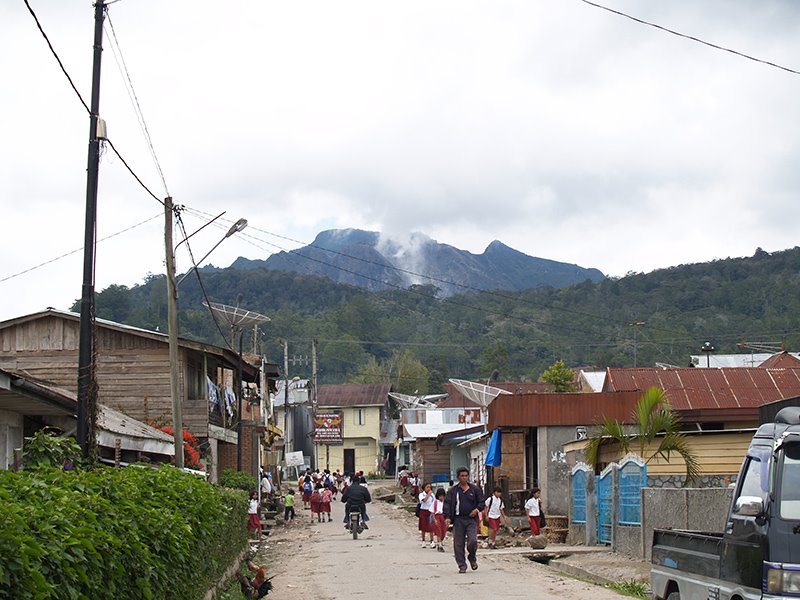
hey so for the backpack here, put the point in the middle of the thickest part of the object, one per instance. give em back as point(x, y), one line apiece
point(307, 487)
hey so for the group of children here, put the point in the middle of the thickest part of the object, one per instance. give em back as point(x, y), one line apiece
point(432, 520)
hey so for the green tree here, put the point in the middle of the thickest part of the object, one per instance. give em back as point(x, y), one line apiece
point(560, 376)
point(495, 358)
point(403, 371)
point(653, 419)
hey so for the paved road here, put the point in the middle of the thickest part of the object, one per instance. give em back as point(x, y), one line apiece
point(321, 561)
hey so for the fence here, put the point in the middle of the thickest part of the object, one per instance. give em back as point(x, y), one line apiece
point(617, 508)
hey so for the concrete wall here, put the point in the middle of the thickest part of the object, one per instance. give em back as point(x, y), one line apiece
point(554, 472)
point(701, 509)
point(628, 540)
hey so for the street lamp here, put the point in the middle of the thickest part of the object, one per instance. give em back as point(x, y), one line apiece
point(172, 317)
point(708, 348)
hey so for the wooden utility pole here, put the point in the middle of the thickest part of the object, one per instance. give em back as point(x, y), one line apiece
point(87, 384)
point(314, 397)
point(288, 438)
point(172, 323)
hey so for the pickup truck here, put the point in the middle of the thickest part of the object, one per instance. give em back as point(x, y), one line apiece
point(758, 554)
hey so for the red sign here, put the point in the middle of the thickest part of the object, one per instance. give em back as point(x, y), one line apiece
point(328, 428)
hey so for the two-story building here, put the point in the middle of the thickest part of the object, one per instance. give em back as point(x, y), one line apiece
point(363, 408)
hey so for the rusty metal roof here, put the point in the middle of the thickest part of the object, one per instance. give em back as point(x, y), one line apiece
point(353, 394)
point(781, 360)
point(456, 399)
point(704, 389)
point(573, 408)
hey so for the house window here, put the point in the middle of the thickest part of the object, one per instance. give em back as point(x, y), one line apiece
point(360, 416)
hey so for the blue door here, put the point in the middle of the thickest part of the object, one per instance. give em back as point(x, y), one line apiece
point(604, 501)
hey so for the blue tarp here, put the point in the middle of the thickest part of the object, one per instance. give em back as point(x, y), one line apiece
point(494, 456)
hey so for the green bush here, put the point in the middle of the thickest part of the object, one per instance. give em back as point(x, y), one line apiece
point(239, 480)
point(116, 533)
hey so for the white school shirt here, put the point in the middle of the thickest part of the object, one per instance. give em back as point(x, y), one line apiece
point(253, 510)
point(426, 504)
point(495, 504)
point(532, 507)
point(438, 507)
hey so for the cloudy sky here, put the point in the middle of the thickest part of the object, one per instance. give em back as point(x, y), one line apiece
point(560, 129)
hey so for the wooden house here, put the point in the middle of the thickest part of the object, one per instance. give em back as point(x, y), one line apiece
point(28, 405)
point(133, 375)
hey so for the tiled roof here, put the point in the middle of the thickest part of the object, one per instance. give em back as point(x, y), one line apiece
point(353, 394)
point(700, 389)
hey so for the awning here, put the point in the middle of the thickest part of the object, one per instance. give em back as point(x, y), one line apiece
point(494, 455)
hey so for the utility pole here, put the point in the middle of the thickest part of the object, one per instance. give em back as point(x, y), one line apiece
point(287, 438)
point(255, 338)
point(87, 384)
point(314, 399)
point(172, 322)
point(239, 402)
point(635, 325)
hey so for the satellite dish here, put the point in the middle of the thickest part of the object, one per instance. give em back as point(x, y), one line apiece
point(236, 316)
point(408, 401)
point(477, 392)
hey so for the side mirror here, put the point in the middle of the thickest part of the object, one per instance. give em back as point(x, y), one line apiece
point(748, 506)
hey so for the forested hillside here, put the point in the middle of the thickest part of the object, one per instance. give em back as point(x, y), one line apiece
point(470, 335)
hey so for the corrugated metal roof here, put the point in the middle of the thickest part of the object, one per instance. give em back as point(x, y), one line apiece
point(782, 360)
point(703, 389)
point(353, 394)
point(576, 408)
point(456, 399)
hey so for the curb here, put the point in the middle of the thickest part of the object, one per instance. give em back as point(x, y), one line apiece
point(578, 572)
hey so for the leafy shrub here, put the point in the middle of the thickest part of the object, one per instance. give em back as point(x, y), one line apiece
point(47, 449)
point(115, 533)
point(239, 480)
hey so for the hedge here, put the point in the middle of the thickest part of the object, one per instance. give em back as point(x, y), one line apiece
point(116, 533)
point(238, 480)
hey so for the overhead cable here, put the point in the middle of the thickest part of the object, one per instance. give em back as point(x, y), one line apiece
point(123, 67)
point(52, 260)
point(55, 54)
point(691, 37)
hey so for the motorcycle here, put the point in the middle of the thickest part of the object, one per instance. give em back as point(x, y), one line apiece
point(356, 524)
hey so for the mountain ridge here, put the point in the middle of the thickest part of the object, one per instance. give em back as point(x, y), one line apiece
point(372, 261)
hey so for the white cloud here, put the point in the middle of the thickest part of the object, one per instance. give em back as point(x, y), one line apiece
point(562, 130)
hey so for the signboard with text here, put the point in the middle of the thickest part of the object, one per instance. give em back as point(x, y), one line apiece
point(328, 428)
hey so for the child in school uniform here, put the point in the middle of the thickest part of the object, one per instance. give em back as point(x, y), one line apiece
point(437, 514)
point(494, 511)
point(253, 522)
point(533, 509)
point(325, 505)
point(316, 501)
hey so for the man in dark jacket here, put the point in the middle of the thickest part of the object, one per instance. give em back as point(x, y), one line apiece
point(462, 504)
point(356, 497)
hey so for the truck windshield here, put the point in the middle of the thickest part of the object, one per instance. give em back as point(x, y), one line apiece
point(790, 483)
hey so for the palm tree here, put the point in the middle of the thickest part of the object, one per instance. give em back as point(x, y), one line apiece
point(654, 420)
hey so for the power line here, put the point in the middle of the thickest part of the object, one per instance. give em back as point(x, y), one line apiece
point(52, 260)
point(122, 66)
point(690, 37)
point(135, 176)
point(55, 54)
point(200, 279)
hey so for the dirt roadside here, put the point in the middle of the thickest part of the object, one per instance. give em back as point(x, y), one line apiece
point(322, 561)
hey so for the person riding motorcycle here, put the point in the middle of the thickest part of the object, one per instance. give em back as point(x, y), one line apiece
point(356, 497)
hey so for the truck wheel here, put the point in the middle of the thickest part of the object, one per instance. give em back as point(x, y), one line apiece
point(674, 596)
